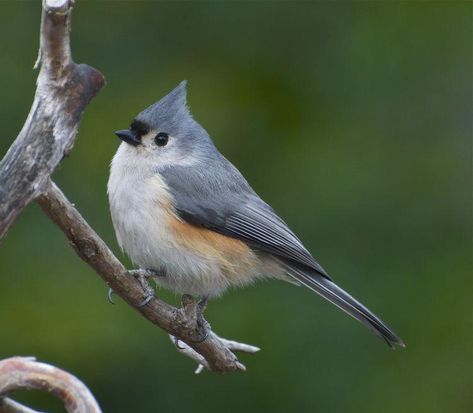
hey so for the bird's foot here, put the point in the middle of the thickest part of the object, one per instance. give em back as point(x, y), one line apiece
point(201, 306)
point(110, 296)
point(142, 276)
point(196, 309)
point(203, 303)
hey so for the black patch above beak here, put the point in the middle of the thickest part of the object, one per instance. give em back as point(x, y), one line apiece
point(127, 136)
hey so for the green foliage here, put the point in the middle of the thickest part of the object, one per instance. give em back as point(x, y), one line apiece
point(352, 119)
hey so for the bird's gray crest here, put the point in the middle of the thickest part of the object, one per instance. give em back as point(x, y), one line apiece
point(169, 112)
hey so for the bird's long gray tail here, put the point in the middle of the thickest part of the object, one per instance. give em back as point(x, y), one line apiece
point(323, 286)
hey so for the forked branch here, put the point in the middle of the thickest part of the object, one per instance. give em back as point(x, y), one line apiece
point(63, 92)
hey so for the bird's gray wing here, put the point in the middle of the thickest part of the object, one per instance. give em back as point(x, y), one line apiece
point(220, 199)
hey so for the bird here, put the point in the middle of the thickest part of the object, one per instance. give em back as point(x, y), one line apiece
point(182, 210)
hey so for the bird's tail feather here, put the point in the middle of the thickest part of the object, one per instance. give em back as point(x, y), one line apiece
point(333, 293)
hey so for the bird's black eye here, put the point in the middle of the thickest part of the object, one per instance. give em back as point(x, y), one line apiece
point(161, 139)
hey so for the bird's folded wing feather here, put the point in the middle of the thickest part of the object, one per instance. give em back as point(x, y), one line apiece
point(229, 206)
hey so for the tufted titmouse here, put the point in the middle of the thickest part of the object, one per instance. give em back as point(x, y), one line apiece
point(180, 208)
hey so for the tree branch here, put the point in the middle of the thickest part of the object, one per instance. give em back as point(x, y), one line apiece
point(180, 323)
point(24, 373)
point(63, 91)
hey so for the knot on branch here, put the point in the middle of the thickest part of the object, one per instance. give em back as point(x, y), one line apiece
point(84, 247)
point(189, 320)
point(83, 83)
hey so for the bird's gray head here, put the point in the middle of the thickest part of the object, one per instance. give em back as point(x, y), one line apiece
point(166, 132)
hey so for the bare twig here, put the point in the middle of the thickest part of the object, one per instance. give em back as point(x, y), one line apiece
point(8, 405)
point(24, 373)
point(201, 362)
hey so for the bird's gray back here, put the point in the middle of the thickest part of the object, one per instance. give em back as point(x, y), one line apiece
point(206, 192)
point(214, 194)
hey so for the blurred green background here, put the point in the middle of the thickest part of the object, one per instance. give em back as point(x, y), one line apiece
point(353, 120)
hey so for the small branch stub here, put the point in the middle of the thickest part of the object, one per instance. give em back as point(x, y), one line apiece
point(8, 405)
point(202, 363)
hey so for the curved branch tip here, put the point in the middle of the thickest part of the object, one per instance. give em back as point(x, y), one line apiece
point(25, 373)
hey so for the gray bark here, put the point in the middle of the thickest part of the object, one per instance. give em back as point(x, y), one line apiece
point(64, 89)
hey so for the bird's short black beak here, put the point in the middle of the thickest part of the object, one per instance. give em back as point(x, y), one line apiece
point(127, 136)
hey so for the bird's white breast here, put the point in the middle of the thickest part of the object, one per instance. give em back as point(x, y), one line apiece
point(139, 204)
